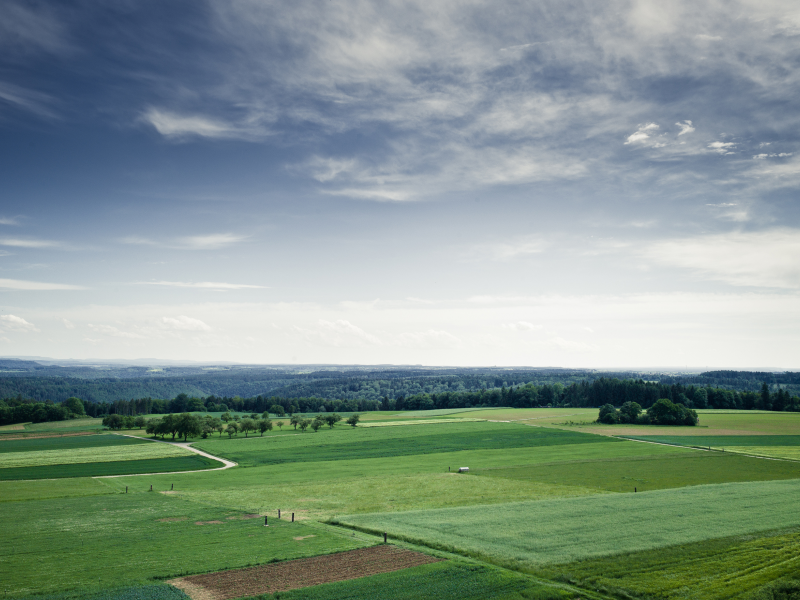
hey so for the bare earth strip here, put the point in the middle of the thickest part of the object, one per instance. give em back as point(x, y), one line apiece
point(300, 573)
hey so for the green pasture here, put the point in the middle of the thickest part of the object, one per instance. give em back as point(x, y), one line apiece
point(97, 542)
point(53, 428)
point(526, 535)
point(148, 591)
point(327, 488)
point(71, 456)
point(650, 472)
point(348, 443)
point(190, 462)
point(41, 489)
point(722, 441)
point(449, 580)
point(67, 443)
point(714, 569)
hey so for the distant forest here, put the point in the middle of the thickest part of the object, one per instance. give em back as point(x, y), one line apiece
point(138, 390)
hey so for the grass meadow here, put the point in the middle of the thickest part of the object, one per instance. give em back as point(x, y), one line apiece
point(530, 534)
point(94, 542)
point(553, 502)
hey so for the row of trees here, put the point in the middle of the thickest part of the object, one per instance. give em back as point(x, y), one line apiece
point(17, 410)
point(662, 412)
point(188, 425)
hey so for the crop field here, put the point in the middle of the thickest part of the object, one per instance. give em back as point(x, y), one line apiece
point(713, 569)
point(531, 534)
point(37, 458)
point(191, 462)
point(652, 472)
point(152, 591)
point(554, 503)
point(303, 572)
point(448, 580)
point(347, 443)
point(126, 539)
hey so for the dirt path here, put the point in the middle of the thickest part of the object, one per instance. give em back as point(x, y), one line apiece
point(187, 445)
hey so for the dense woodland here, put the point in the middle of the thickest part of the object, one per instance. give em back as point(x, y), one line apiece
point(451, 393)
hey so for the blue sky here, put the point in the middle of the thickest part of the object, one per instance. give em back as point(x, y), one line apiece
point(468, 183)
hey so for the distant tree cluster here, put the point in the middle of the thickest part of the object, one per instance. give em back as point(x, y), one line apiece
point(18, 410)
point(663, 412)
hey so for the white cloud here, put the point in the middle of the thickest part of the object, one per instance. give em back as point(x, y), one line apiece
point(18, 284)
point(68, 324)
point(114, 332)
point(686, 127)
point(16, 323)
point(642, 134)
point(210, 285)
point(9, 221)
point(708, 38)
point(774, 155)
point(339, 333)
point(212, 241)
point(765, 258)
point(521, 326)
point(172, 125)
point(722, 147)
point(28, 243)
point(184, 323)
point(511, 249)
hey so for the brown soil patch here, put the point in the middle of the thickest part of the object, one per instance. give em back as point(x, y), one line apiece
point(208, 522)
point(168, 492)
point(300, 573)
point(253, 516)
point(303, 537)
point(172, 519)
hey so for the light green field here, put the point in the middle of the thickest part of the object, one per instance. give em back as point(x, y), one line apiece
point(93, 455)
point(531, 534)
point(418, 422)
point(110, 541)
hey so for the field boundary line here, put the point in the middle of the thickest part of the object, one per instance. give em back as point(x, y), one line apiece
point(227, 464)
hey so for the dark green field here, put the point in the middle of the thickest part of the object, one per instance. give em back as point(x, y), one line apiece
point(652, 472)
point(67, 443)
point(153, 591)
point(721, 441)
point(121, 467)
point(450, 580)
point(346, 443)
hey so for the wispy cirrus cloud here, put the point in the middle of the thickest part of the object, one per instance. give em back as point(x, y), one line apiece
point(22, 285)
point(184, 323)
point(29, 243)
point(212, 241)
point(769, 258)
point(175, 126)
point(208, 285)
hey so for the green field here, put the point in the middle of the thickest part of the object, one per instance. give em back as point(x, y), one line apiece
point(72, 456)
point(347, 443)
point(729, 567)
point(451, 580)
point(531, 534)
point(191, 462)
point(67, 443)
point(129, 539)
point(554, 503)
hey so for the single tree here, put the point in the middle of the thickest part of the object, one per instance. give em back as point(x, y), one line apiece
point(304, 423)
point(608, 414)
point(353, 419)
point(75, 406)
point(247, 425)
point(226, 416)
point(332, 419)
point(277, 409)
point(128, 422)
point(218, 425)
point(140, 422)
point(232, 429)
point(629, 412)
point(316, 424)
point(280, 424)
point(264, 425)
point(295, 420)
point(113, 422)
point(189, 425)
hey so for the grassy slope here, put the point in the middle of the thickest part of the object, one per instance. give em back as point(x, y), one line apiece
point(529, 534)
point(86, 455)
point(120, 541)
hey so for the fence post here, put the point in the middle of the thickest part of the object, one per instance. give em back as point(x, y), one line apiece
point(384, 537)
point(265, 522)
point(292, 517)
point(279, 513)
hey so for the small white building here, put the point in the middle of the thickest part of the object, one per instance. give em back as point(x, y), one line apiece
point(463, 470)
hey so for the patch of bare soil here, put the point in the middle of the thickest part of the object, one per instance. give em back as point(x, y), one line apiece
point(172, 519)
point(303, 537)
point(252, 516)
point(300, 573)
point(208, 522)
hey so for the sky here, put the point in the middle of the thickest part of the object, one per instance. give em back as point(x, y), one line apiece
point(551, 183)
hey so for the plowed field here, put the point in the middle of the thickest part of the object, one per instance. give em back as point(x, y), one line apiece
point(300, 573)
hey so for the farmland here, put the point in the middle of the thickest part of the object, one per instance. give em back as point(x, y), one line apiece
point(542, 513)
